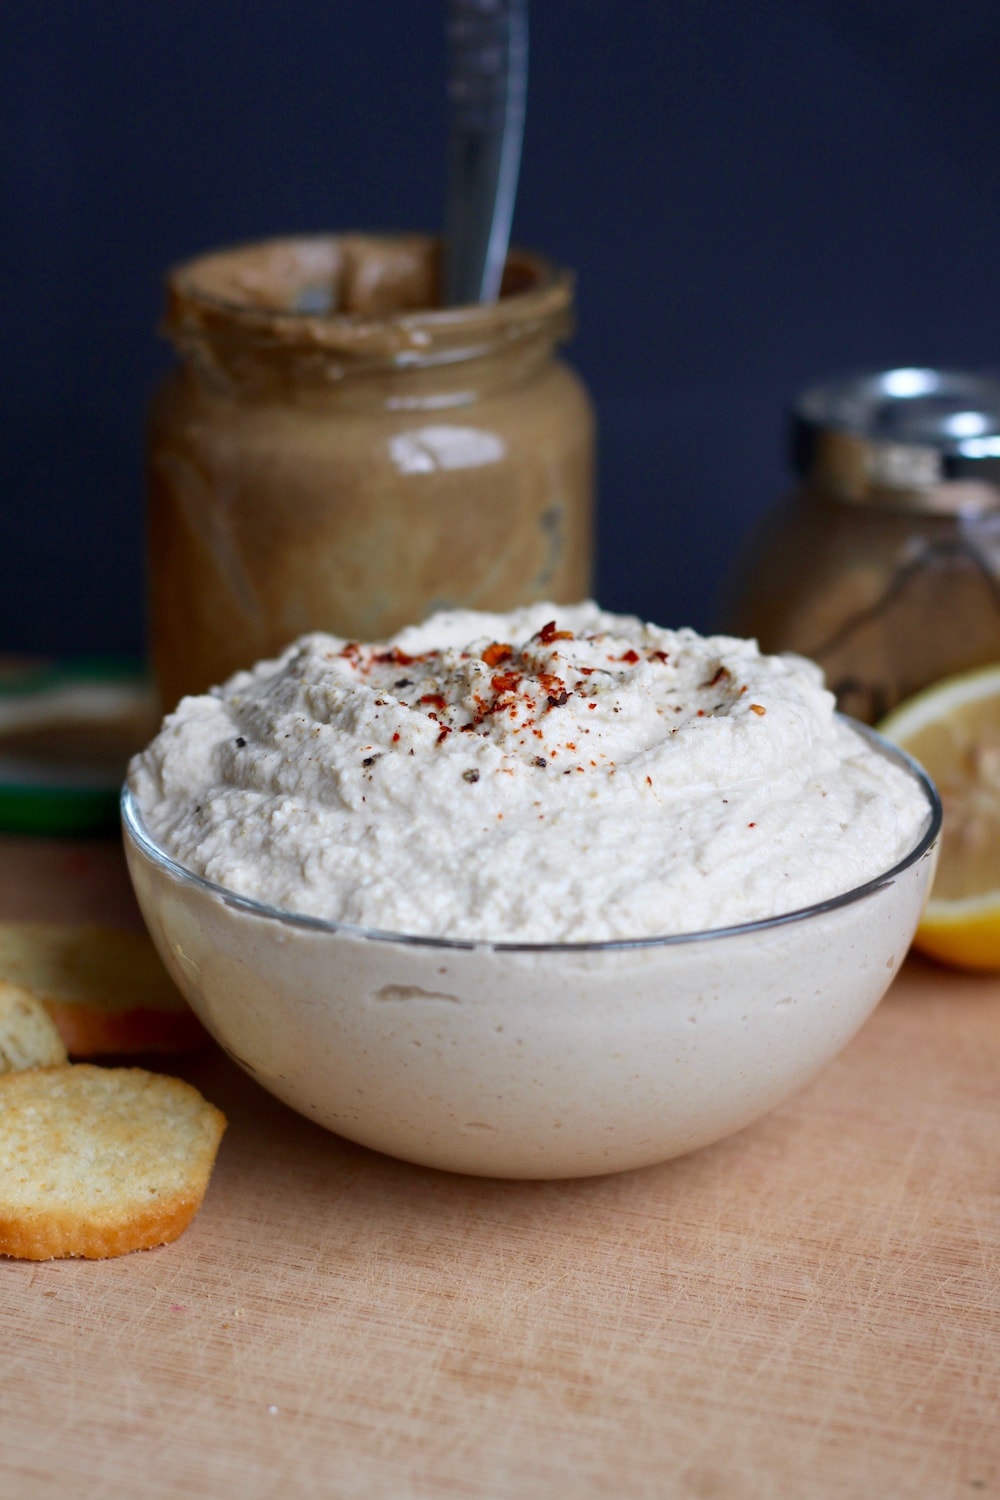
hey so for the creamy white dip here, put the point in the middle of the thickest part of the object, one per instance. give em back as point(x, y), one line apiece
point(558, 774)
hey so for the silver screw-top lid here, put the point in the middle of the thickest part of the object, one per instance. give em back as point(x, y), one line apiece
point(909, 438)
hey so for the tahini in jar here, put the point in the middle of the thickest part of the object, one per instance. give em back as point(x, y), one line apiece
point(333, 451)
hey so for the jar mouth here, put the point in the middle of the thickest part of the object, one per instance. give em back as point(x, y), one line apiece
point(365, 299)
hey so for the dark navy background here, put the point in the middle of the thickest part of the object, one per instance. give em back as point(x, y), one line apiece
point(753, 195)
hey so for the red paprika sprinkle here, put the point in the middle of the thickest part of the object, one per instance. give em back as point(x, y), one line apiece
point(498, 652)
point(393, 657)
point(549, 633)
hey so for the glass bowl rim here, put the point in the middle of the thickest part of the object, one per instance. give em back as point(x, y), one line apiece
point(135, 829)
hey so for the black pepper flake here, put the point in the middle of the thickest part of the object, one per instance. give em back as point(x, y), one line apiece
point(556, 700)
point(403, 682)
point(240, 742)
point(369, 760)
point(472, 775)
point(540, 761)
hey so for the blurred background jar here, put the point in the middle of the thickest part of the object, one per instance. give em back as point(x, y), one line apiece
point(884, 564)
point(335, 452)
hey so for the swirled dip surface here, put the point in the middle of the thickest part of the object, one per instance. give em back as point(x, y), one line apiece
point(556, 774)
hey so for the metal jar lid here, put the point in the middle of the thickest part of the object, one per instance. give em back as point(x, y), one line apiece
point(908, 439)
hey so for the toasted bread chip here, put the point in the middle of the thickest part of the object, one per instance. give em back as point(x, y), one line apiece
point(105, 988)
point(100, 1161)
point(28, 1035)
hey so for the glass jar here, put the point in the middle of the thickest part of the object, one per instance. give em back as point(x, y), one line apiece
point(884, 565)
point(334, 452)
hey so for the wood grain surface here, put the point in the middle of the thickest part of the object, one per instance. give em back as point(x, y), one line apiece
point(810, 1309)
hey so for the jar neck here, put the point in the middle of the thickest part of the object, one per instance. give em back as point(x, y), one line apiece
point(854, 470)
point(353, 318)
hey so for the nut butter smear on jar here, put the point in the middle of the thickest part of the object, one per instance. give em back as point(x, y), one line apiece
point(335, 451)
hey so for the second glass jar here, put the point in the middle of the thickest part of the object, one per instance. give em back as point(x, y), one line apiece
point(884, 565)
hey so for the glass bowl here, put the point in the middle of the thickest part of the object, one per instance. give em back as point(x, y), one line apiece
point(532, 1060)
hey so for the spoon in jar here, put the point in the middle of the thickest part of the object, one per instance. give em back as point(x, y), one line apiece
point(487, 86)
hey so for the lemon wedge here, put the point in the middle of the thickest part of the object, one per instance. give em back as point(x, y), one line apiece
point(953, 730)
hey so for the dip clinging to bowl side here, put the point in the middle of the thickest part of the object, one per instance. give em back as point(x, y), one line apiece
point(543, 894)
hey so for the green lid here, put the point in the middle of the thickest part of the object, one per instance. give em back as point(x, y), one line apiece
point(67, 730)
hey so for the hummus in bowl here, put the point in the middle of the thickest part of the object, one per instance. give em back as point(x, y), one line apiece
point(543, 894)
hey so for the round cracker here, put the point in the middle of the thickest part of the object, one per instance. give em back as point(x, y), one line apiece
point(28, 1035)
point(97, 1161)
point(105, 988)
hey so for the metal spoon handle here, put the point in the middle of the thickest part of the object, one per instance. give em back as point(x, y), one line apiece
point(487, 86)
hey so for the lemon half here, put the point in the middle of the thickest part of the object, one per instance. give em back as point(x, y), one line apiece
point(953, 730)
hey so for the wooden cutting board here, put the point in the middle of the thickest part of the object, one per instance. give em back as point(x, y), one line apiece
point(809, 1309)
